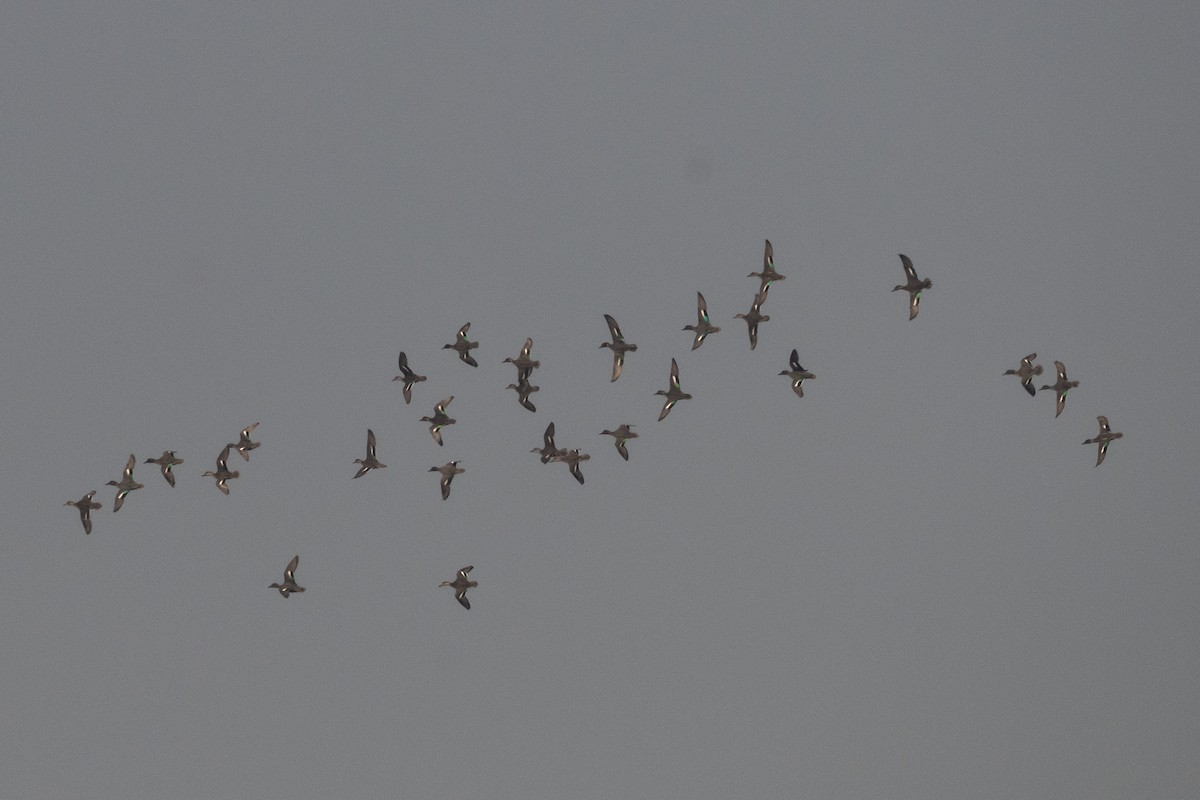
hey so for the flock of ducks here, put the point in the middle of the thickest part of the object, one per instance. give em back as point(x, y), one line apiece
point(549, 451)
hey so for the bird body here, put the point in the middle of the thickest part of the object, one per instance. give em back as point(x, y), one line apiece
point(1026, 372)
point(703, 326)
point(85, 505)
point(753, 318)
point(223, 473)
point(797, 373)
point(439, 420)
point(1103, 438)
point(460, 584)
point(370, 462)
point(289, 585)
point(618, 345)
point(408, 376)
point(621, 435)
point(126, 485)
point(448, 472)
point(244, 445)
point(674, 394)
point(1061, 387)
point(914, 286)
point(768, 275)
point(165, 462)
point(463, 346)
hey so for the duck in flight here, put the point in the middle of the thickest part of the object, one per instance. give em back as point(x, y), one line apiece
point(463, 346)
point(798, 374)
point(524, 364)
point(127, 484)
point(768, 274)
point(165, 462)
point(289, 584)
point(460, 584)
point(1102, 439)
point(703, 326)
point(439, 420)
point(223, 473)
point(85, 505)
point(674, 394)
point(448, 472)
point(572, 458)
point(1061, 387)
point(1026, 372)
point(618, 345)
point(621, 435)
point(523, 389)
point(914, 286)
point(753, 318)
point(244, 445)
point(408, 376)
point(370, 462)
point(548, 450)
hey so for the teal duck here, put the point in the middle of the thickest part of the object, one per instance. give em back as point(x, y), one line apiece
point(703, 326)
point(463, 346)
point(127, 484)
point(524, 364)
point(1105, 436)
point(408, 376)
point(1061, 387)
point(523, 389)
point(914, 286)
point(448, 472)
point(1026, 372)
point(618, 345)
point(674, 394)
point(572, 459)
point(85, 505)
point(547, 451)
point(439, 420)
point(621, 435)
point(165, 462)
point(460, 585)
point(370, 462)
point(798, 374)
point(289, 584)
point(753, 318)
point(223, 472)
point(768, 274)
point(244, 445)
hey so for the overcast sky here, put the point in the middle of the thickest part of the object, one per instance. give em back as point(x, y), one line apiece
point(912, 583)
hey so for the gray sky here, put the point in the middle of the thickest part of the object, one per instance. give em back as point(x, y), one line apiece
point(911, 583)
